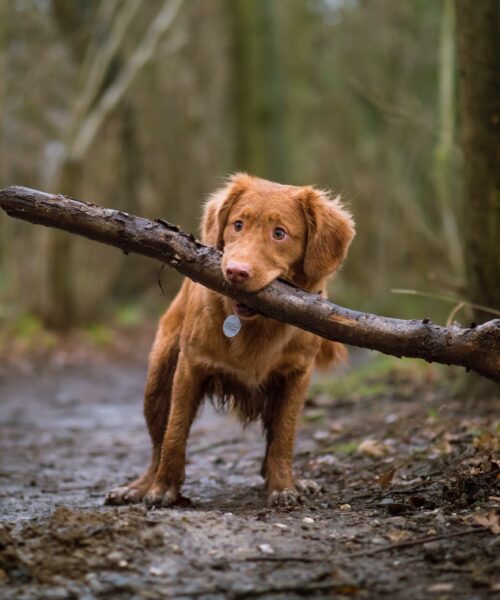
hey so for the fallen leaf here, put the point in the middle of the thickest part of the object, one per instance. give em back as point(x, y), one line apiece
point(442, 446)
point(266, 548)
point(397, 535)
point(489, 520)
point(336, 427)
point(373, 448)
point(385, 479)
point(487, 442)
point(346, 589)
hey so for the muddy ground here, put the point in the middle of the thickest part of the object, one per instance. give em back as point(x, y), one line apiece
point(409, 507)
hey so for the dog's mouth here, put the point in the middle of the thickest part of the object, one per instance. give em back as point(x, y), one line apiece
point(242, 310)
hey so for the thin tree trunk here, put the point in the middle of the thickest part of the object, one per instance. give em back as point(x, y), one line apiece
point(478, 36)
point(479, 57)
point(60, 311)
point(259, 90)
point(3, 96)
point(475, 348)
point(92, 107)
point(443, 158)
point(3, 83)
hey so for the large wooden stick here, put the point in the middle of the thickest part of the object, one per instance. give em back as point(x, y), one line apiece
point(476, 348)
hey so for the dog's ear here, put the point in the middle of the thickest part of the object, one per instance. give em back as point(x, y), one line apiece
point(209, 228)
point(219, 206)
point(330, 229)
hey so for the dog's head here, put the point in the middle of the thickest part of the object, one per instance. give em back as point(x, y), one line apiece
point(267, 230)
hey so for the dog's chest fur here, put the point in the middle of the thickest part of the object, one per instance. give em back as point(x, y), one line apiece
point(251, 356)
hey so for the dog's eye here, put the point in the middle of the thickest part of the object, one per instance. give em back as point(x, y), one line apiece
point(279, 234)
point(238, 225)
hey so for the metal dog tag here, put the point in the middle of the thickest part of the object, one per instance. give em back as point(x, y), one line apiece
point(232, 326)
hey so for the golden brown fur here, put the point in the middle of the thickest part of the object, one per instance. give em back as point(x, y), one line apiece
point(263, 372)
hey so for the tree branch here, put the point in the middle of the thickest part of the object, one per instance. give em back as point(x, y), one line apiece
point(476, 348)
point(112, 96)
point(99, 59)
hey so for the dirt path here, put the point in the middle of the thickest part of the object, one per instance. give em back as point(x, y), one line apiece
point(67, 436)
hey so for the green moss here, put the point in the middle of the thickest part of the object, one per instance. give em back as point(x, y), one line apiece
point(433, 415)
point(314, 415)
point(373, 378)
point(128, 315)
point(342, 448)
point(100, 335)
point(30, 331)
point(27, 326)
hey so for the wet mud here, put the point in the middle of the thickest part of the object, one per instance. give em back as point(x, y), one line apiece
point(409, 507)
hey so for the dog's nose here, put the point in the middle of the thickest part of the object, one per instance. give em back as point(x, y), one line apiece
point(237, 273)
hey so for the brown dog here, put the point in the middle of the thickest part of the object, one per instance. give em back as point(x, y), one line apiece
point(266, 231)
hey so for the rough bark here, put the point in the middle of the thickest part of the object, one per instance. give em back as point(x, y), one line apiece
point(475, 348)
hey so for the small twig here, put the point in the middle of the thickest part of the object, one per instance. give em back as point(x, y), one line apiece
point(456, 301)
point(406, 492)
point(160, 285)
point(199, 449)
point(455, 310)
point(490, 473)
point(417, 542)
point(273, 558)
point(375, 495)
point(451, 569)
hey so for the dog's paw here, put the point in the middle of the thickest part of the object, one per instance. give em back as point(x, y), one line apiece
point(160, 495)
point(117, 496)
point(285, 498)
point(125, 494)
point(308, 487)
point(136, 495)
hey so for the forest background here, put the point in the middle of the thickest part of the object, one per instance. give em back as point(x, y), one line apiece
point(146, 106)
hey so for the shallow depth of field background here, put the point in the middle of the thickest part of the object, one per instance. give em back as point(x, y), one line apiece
point(357, 96)
point(145, 106)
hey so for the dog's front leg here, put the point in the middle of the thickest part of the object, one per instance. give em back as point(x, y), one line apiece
point(186, 396)
point(281, 425)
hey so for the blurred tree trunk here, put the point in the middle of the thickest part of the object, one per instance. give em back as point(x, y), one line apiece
point(60, 309)
point(72, 21)
point(443, 157)
point(259, 90)
point(3, 84)
point(478, 29)
point(105, 81)
point(3, 80)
